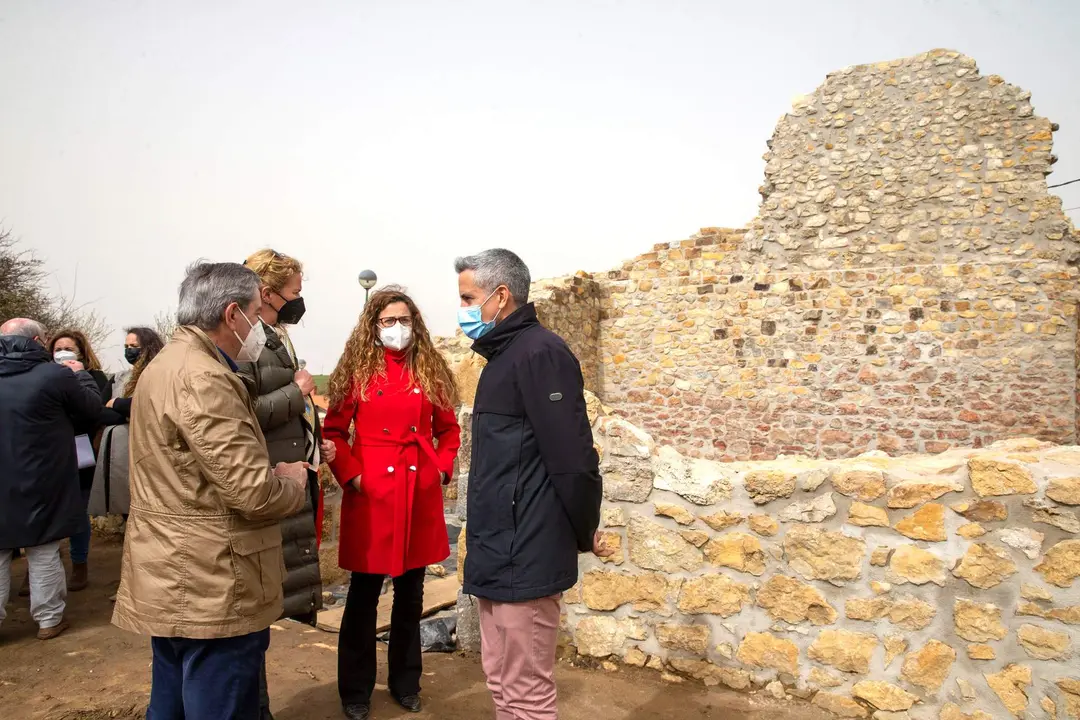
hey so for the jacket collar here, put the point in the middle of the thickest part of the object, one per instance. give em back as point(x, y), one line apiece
point(19, 354)
point(191, 335)
point(506, 332)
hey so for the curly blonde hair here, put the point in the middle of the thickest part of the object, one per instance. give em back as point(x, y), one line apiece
point(273, 268)
point(364, 358)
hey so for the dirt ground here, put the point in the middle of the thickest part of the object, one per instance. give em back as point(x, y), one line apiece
point(95, 671)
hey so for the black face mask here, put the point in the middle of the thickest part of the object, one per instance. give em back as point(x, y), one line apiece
point(131, 354)
point(291, 312)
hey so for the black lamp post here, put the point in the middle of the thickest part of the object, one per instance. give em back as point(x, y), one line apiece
point(367, 281)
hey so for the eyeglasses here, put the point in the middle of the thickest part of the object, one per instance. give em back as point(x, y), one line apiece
point(389, 322)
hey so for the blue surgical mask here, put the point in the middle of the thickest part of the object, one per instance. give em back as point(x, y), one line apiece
point(471, 320)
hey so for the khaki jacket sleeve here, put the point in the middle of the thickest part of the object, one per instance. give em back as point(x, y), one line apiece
point(218, 426)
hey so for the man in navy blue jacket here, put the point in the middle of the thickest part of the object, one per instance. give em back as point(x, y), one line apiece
point(534, 484)
point(41, 403)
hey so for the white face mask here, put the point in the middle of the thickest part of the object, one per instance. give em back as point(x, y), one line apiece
point(396, 337)
point(252, 346)
point(63, 356)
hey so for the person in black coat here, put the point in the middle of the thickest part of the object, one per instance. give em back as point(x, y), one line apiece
point(41, 403)
point(534, 491)
point(72, 344)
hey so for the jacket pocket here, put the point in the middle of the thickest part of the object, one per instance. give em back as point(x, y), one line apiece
point(257, 569)
point(493, 477)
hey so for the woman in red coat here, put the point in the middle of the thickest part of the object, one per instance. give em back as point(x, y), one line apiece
point(399, 394)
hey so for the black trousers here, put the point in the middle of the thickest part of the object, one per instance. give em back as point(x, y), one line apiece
point(356, 641)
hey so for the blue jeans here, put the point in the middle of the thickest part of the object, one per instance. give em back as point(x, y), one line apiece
point(80, 541)
point(207, 679)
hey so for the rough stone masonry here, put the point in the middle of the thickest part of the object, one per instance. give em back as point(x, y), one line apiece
point(908, 286)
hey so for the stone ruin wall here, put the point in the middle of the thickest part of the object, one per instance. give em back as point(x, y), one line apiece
point(909, 285)
point(936, 587)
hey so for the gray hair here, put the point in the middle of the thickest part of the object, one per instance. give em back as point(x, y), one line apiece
point(496, 267)
point(209, 288)
point(24, 327)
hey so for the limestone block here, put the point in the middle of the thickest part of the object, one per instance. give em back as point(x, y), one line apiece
point(787, 599)
point(699, 481)
point(990, 477)
point(985, 566)
point(883, 695)
point(976, 621)
point(911, 493)
point(927, 523)
point(864, 515)
point(910, 564)
point(676, 512)
point(722, 520)
point(1046, 512)
point(952, 711)
point(981, 510)
point(693, 639)
point(654, 547)
point(929, 667)
point(1061, 564)
point(715, 594)
point(764, 650)
point(738, 551)
point(1043, 644)
point(1009, 685)
point(1064, 490)
point(863, 485)
point(765, 486)
point(810, 511)
point(844, 650)
point(895, 646)
point(1025, 540)
point(817, 554)
point(602, 636)
point(840, 705)
point(764, 525)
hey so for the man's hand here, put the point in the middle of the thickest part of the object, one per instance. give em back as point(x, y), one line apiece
point(328, 450)
point(110, 403)
point(305, 381)
point(296, 472)
point(75, 365)
point(600, 548)
point(355, 483)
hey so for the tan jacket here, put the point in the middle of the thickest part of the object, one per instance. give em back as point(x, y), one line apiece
point(202, 552)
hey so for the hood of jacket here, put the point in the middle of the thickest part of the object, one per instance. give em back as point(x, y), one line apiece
point(20, 354)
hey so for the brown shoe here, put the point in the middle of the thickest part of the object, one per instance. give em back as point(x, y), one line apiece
point(24, 589)
point(79, 577)
point(50, 633)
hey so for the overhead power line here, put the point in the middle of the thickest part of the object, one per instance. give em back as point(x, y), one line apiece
point(1069, 182)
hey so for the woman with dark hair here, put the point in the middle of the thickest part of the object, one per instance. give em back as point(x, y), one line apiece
point(71, 344)
point(109, 493)
point(141, 345)
point(398, 392)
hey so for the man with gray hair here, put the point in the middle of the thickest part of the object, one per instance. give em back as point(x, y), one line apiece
point(41, 403)
point(534, 483)
point(203, 566)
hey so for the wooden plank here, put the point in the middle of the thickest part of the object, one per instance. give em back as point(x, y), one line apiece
point(438, 595)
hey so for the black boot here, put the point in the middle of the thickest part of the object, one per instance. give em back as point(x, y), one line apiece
point(356, 711)
point(409, 702)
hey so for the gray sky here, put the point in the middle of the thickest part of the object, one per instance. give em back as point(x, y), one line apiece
point(136, 137)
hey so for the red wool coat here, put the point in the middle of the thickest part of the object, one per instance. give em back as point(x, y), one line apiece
point(403, 444)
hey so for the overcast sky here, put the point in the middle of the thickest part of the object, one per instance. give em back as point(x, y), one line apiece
point(136, 137)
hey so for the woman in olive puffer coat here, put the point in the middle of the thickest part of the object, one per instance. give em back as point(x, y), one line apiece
point(282, 392)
